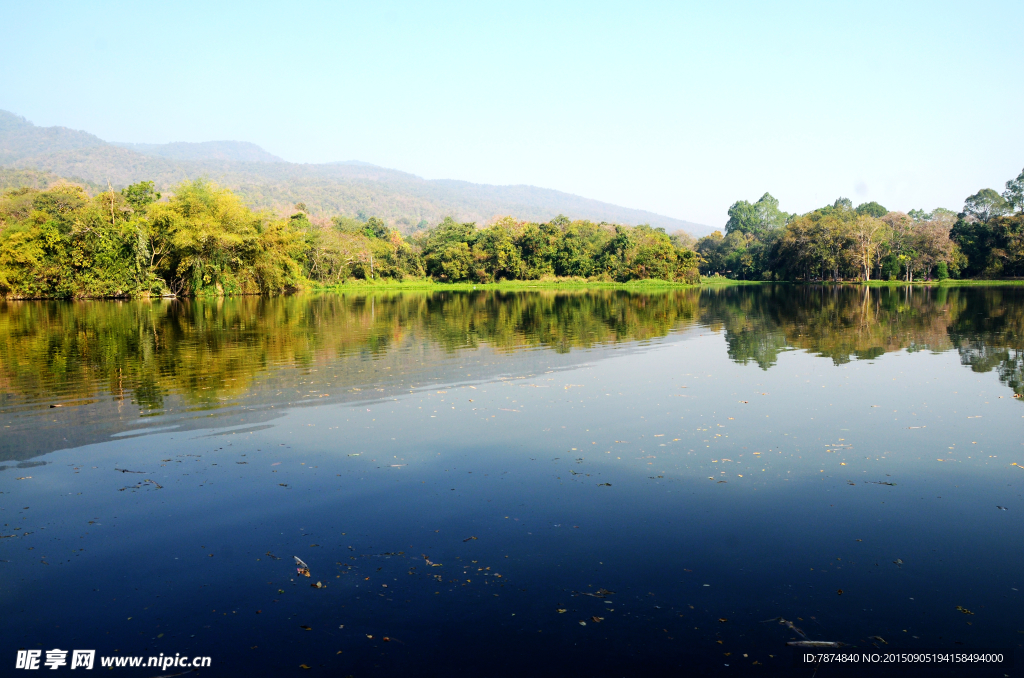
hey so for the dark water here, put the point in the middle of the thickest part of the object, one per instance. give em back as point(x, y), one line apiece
point(603, 483)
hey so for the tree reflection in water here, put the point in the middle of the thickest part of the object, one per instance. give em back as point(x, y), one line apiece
point(207, 351)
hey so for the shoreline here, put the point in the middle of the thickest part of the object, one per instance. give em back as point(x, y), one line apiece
point(520, 285)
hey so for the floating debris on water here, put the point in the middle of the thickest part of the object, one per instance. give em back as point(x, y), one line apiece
point(600, 593)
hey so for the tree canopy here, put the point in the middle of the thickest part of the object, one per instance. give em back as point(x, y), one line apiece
point(202, 239)
point(840, 242)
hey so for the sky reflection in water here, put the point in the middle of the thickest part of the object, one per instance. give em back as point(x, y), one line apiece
point(715, 459)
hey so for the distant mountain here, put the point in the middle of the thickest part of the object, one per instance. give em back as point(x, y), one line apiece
point(21, 139)
point(358, 163)
point(264, 180)
point(242, 151)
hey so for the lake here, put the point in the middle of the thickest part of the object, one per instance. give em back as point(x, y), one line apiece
point(526, 483)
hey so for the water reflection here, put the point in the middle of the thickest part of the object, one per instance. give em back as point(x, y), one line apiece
point(211, 353)
point(211, 350)
point(985, 325)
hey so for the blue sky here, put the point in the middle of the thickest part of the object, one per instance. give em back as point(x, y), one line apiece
point(678, 108)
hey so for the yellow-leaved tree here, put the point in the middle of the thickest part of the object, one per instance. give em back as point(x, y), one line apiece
point(204, 240)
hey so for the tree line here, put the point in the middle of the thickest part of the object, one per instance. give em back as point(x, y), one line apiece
point(62, 242)
point(203, 240)
point(869, 242)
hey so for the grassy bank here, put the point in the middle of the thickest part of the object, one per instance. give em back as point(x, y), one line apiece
point(508, 285)
point(948, 282)
point(706, 280)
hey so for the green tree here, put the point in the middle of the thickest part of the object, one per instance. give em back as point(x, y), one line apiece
point(577, 249)
point(376, 228)
point(757, 218)
point(503, 256)
point(712, 253)
point(446, 250)
point(1006, 251)
point(900, 242)
point(871, 209)
point(140, 196)
point(985, 204)
point(830, 236)
point(536, 248)
point(1014, 193)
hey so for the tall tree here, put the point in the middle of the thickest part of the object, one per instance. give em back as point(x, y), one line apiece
point(711, 253)
point(866, 232)
point(830, 235)
point(899, 239)
point(1014, 193)
point(757, 218)
point(931, 242)
point(985, 204)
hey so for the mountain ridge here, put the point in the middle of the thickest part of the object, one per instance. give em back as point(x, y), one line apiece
point(243, 151)
point(266, 181)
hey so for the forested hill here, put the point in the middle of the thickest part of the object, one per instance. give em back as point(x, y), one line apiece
point(242, 151)
point(264, 180)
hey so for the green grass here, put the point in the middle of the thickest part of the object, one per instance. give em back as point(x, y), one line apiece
point(722, 280)
point(581, 284)
point(948, 282)
point(558, 284)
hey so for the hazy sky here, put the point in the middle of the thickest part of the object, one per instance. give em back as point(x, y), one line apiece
point(678, 108)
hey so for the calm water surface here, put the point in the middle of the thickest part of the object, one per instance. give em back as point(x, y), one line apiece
point(538, 483)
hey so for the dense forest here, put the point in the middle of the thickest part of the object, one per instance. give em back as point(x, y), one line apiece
point(868, 242)
point(201, 240)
